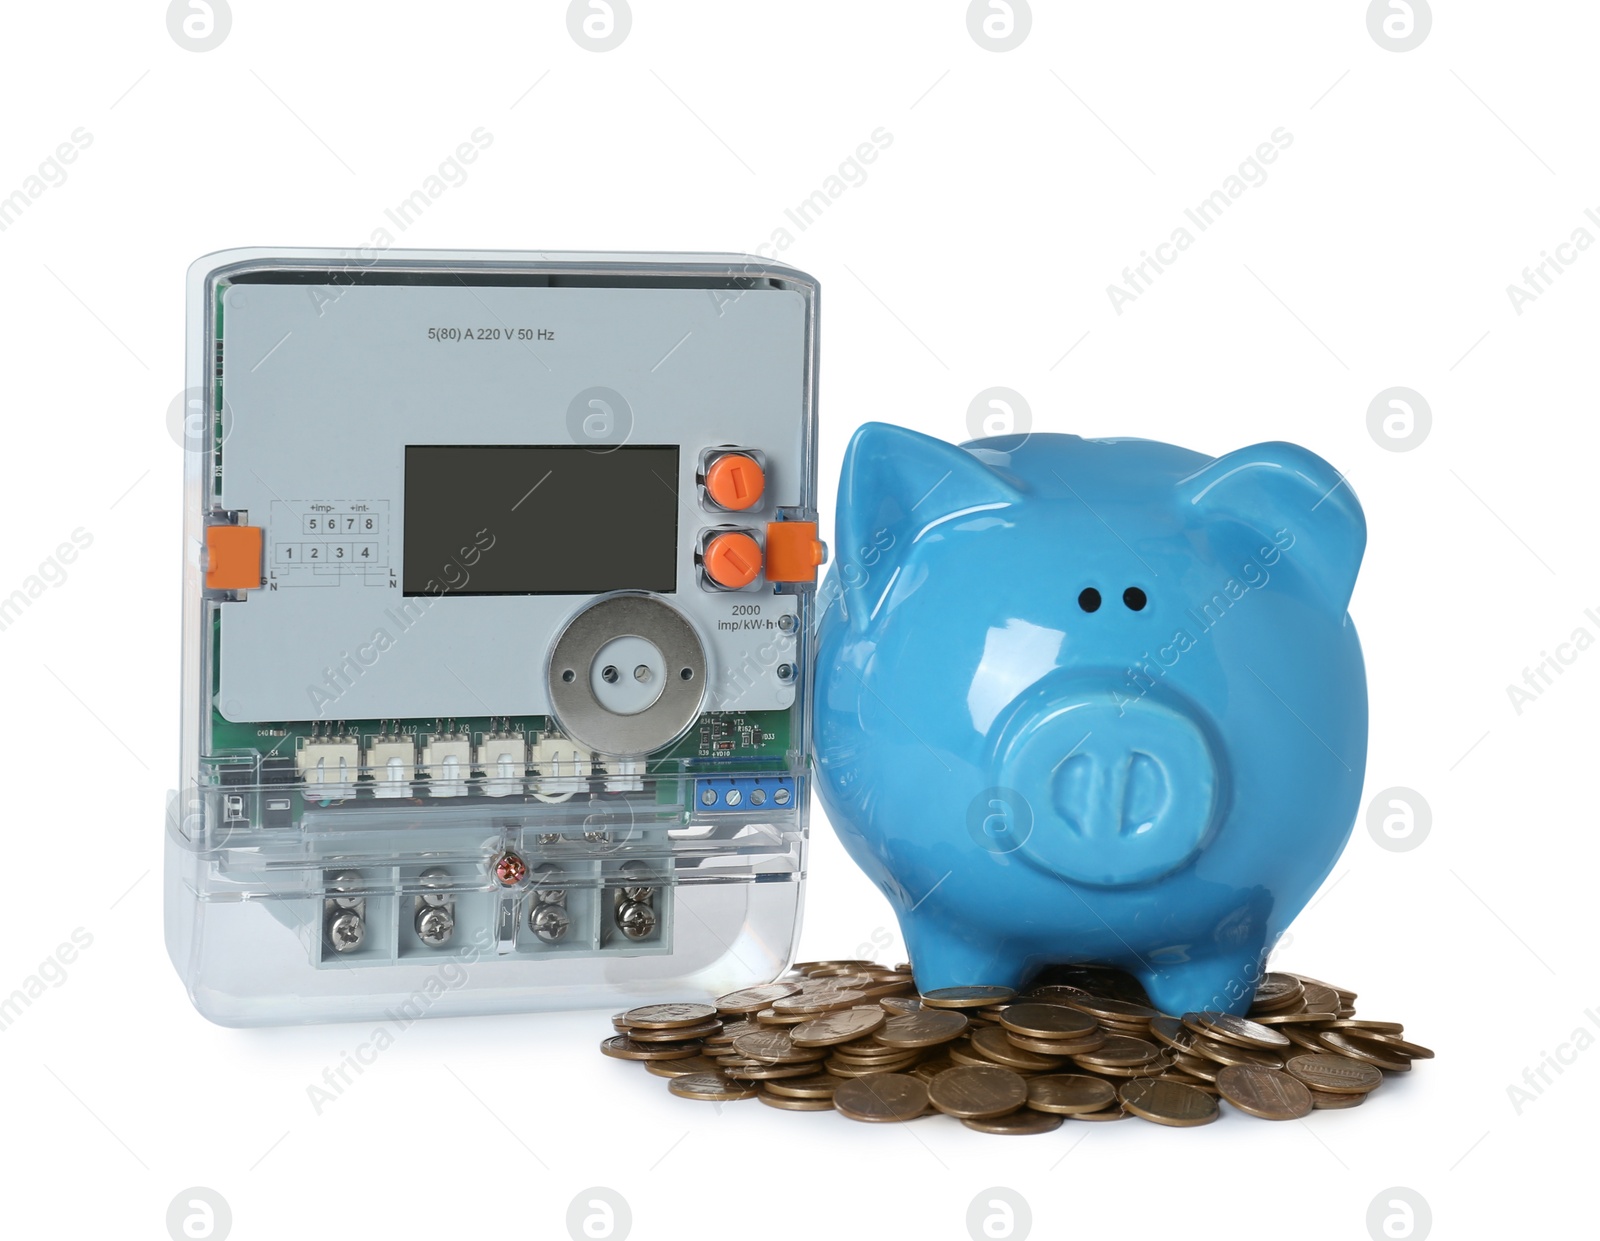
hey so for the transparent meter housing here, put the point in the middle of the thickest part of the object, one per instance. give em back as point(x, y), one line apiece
point(497, 594)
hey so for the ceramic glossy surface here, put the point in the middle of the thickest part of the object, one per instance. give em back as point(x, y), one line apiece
point(1091, 701)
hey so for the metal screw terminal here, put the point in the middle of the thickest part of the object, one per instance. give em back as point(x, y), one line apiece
point(435, 926)
point(510, 869)
point(433, 881)
point(346, 931)
point(341, 884)
point(636, 920)
point(549, 922)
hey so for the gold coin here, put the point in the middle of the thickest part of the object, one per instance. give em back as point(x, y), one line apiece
point(767, 1072)
point(712, 1087)
point(1344, 1042)
point(668, 1016)
point(1240, 1031)
point(1154, 1068)
point(682, 1068)
point(885, 1097)
point(808, 1003)
point(883, 990)
point(1345, 995)
point(1199, 1083)
point(875, 1054)
point(1197, 1066)
point(1172, 1032)
point(966, 997)
point(767, 1017)
point(1059, 1047)
point(1337, 1074)
point(838, 1027)
point(789, 1103)
point(965, 1053)
point(1168, 1103)
point(900, 1005)
point(754, 999)
point(1137, 1028)
point(1069, 1093)
point(1276, 991)
point(1299, 1018)
point(1308, 1037)
point(1056, 993)
point(1264, 1092)
point(850, 1066)
point(1393, 1042)
point(621, 1047)
point(1014, 1124)
point(1320, 999)
point(774, 1047)
point(924, 1029)
point(1113, 1010)
point(1120, 1050)
point(998, 1046)
point(841, 1069)
point(1111, 1113)
point(814, 1086)
point(676, 1034)
point(969, 1092)
point(1047, 1021)
point(927, 1070)
point(1321, 1099)
point(730, 1031)
point(1371, 1027)
point(1230, 1053)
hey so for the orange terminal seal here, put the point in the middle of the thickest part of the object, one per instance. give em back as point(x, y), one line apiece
point(735, 481)
point(794, 551)
point(732, 560)
point(233, 557)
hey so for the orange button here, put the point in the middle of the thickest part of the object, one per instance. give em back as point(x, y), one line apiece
point(735, 481)
point(233, 557)
point(732, 560)
point(794, 551)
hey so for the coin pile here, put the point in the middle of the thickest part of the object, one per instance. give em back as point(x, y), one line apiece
point(856, 1038)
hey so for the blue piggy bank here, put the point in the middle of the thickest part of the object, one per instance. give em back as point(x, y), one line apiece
point(1091, 701)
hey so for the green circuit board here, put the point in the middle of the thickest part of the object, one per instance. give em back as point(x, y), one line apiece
point(717, 735)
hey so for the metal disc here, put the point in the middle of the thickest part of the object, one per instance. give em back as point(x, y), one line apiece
point(570, 676)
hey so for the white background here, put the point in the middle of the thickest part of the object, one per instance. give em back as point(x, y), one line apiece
point(977, 252)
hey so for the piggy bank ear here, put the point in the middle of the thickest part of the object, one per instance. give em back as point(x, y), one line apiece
point(897, 485)
point(1283, 492)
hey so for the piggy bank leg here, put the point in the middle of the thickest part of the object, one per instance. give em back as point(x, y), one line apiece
point(1220, 982)
point(942, 957)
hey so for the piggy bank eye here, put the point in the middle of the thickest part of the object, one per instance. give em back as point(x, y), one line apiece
point(1089, 600)
point(1134, 598)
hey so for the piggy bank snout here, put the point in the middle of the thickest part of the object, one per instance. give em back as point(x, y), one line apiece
point(1117, 791)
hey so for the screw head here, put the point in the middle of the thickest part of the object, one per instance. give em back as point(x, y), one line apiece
point(346, 931)
point(549, 922)
point(435, 926)
point(636, 920)
point(436, 878)
point(345, 881)
point(510, 869)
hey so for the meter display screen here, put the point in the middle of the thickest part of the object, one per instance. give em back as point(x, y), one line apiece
point(537, 519)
